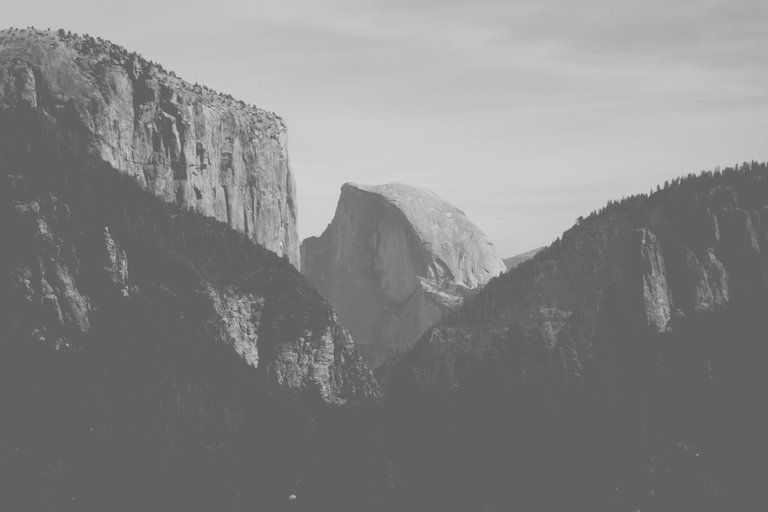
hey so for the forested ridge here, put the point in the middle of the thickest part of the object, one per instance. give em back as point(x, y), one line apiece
point(619, 369)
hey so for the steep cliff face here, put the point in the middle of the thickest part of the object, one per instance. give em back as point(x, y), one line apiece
point(152, 357)
point(632, 343)
point(73, 257)
point(651, 270)
point(394, 259)
point(189, 364)
point(94, 102)
point(656, 304)
point(73, 108)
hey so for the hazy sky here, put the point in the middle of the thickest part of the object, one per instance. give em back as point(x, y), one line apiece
point(524, 113)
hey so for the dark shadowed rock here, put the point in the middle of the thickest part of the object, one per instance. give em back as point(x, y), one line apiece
point(151, 356)
point(184, 361)
point(70, 264)
point(393, 260)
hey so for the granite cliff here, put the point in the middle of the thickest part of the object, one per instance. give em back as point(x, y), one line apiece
point(92, 101)
point(155, 358)
point(69, 263)
point(394, 259)
point(622, 365)
point(151, 356)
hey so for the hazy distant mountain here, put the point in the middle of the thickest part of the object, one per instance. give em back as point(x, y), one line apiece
point(394, 259)
point(514, 261)
point(620, 368)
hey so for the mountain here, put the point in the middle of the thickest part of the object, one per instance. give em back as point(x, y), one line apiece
point(394, 259)
point(152, 357)
point(89, 254)
point(514, 261)
point(98, 103)
point(619, 369)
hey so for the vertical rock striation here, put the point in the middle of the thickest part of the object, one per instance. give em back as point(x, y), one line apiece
point(394, 259)
point(89, 101)
point(157, 354)
point(656, 305)
point(68, 267)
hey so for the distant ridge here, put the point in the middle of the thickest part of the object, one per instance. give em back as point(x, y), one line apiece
point(514, 261)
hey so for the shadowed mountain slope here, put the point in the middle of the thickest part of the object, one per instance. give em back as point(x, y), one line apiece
point(620, 368)
point(152, 357)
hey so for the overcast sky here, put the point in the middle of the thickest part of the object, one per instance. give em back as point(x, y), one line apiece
point(523, 113)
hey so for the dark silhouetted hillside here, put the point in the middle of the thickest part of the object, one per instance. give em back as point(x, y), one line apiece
point(619, 369)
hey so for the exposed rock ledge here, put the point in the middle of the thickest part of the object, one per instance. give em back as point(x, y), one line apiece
point(394, 260)
point(91, 102)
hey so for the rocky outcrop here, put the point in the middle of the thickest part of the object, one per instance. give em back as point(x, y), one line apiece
point(552, 322)
point(148, 350)
point(169, 351)
point(637, 336)
point(66, 270)
point(708, 289)
point(688, 260)
point(656, 305)
point(89, 102)
point(115, 262)
point(394, 259)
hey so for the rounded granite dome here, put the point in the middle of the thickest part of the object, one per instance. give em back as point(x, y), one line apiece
point(453, 241)
point(394, 259)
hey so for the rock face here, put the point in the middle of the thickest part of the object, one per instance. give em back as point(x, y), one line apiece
point(171, 352)
point(73, 109)
point(642, 327)
point(656, 303)
point(91, 101)
point(654, 277)
point(394, 259)
point(69, 265)
point(148, 350)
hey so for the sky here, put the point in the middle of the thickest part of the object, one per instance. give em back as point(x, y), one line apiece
point(523, 113)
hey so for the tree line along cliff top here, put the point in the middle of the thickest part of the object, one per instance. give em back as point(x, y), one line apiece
point(98, 51)
point(666, 205)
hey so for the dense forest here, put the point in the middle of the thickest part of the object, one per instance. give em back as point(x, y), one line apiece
point(673, 205)
point(125, 394)
point(553, 390)
point(488, 412)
